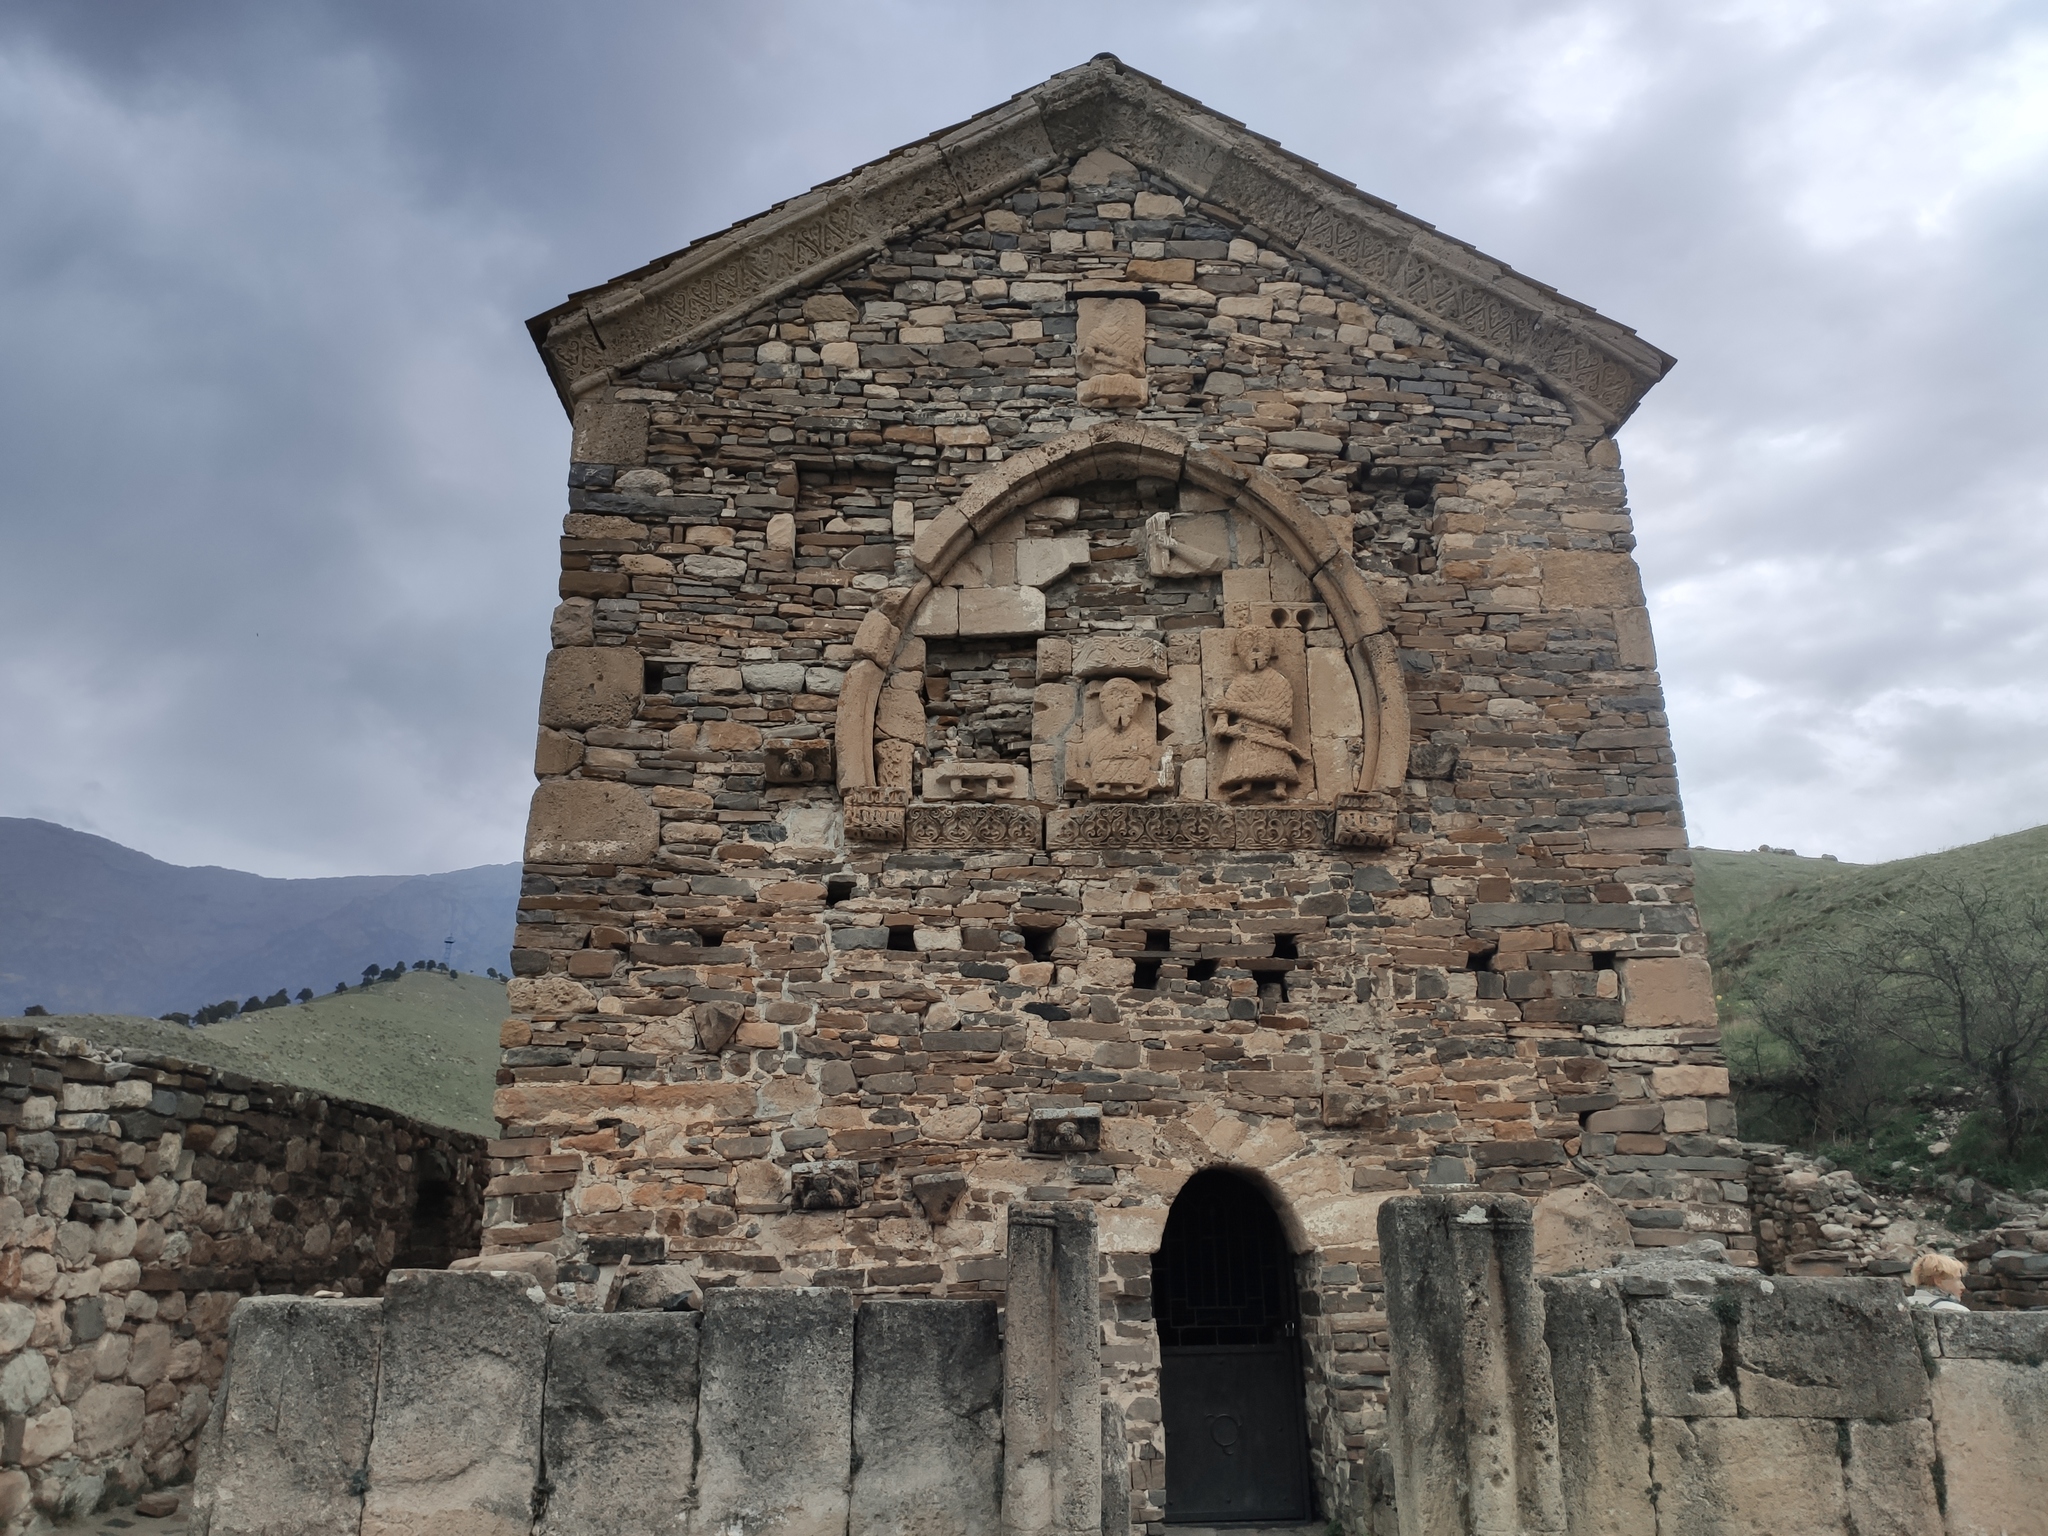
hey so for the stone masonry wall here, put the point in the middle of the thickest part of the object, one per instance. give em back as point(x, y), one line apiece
point(140, 1198)
point(750, 1047)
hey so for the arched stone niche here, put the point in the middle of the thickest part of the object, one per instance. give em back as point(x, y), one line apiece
point(1343, 774)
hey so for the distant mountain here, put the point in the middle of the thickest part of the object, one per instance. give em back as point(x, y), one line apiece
point(88, 926)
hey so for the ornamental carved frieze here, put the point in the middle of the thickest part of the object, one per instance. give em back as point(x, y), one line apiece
point(875, 814)
point(967, 825)
point(1173, 825)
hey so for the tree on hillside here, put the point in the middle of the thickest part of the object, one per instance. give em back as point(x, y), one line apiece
point(305, 994)
point(369, 974)
point(1833, 1070)
point(1964, 981)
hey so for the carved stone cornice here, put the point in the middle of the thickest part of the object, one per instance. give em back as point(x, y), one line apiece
point(682, 299)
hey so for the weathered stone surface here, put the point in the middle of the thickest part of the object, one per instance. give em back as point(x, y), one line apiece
point(619, 1422)
point(1679, 990)
point(1001, 611)
point(1471, 1370)
point(775, 1415)
point(1889, 1479)
point(1987, 1427)
point(455, 1448)
point(1052, 1443)
point(289, 1438)
point(1604, 1462)
point(1869, 1367)
point(927, 1420)
point(609, 431)
point(575, 821)
point(1748, 1477)
point(1585, 579)
point(1680, 1339)
point(590, 685)
point(1579, 1227)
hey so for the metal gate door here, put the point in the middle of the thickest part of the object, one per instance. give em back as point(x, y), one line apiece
point(1230, 1367)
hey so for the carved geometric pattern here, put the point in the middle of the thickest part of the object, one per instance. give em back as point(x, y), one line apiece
point(972, 826)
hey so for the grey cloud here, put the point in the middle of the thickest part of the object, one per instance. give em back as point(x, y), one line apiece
point(276, 539)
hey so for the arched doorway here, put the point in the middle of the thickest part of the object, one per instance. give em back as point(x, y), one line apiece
point(1223, 1295)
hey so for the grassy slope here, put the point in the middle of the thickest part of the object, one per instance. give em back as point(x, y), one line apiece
point(1763, 911)
point(425, 1045)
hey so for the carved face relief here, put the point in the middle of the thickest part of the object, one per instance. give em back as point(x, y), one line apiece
point(1122, 755)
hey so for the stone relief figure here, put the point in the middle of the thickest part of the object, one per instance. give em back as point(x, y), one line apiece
point(1123, 761)
point(1166, 555)
point(1109, 351)
point(1252, 721)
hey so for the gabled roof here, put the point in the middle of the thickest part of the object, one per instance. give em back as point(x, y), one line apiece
point(681, 299)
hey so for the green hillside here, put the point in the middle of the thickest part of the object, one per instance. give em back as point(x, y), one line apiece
point(425, 1045)
point(1764, 911)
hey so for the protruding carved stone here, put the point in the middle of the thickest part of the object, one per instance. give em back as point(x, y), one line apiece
point(799, 762)
point(833, 1186)
point(1063, 1129)
point(977, 781)
point(874, 814)
point(1109, 352)
point(1120, 656)
point(1364, 821)
point(938, 1193)
point(716, 1025)
point(1167, 555)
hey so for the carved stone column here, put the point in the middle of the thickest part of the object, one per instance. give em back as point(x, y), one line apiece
point(1052, 1374)
point(1472, 1421)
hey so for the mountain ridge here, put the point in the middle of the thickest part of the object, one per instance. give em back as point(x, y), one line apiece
point(89, 926)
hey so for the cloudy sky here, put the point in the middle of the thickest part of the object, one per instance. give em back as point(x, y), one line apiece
point(282, 471)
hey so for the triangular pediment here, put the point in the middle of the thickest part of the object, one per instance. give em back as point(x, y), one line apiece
point(1600, 366)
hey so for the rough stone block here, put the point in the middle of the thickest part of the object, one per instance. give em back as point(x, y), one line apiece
point(775, 1414)
point(1987, 1425)
point(587, 685)
point(1052, 1442)
point(289, 1437)
point(1748, 1477)
point(1890, 1479)
point(1676, 990)
point(927, 1419)
point(1837, 1349)
point(455, 1449)
point(1590, 579)
point(1680, 1339)
point(619, 1422)
point(999, 611)
point(609, 431)
point(1605, 1464)
point(584, 821)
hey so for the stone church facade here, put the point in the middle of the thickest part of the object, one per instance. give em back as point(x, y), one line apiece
point(1093, 653)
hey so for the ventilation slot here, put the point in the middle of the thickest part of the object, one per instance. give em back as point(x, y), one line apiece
point(711, 938)
point(840, 888)
point(1481, 959)
point(1039, 942)
point(903, 938)
point(1202, 970)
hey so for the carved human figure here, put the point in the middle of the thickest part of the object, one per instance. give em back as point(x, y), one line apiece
point(1123, 758)
point(1253, 719)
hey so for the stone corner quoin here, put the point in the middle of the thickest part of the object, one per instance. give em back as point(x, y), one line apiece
point(1091, 613)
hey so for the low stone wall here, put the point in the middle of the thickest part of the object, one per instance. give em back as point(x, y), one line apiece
point(463, 1402)
point(1699, 1397)
point(141, 1197)
point(1816, 1223)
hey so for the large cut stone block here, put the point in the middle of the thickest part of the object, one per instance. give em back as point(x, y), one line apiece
point(585, 821)
point(1994, 1457)
point(619, 1422)
point(1890, 1479)
point(927, 1419)
point(1590, 579)
point(456, 1445)
point(1833, 1349)
point(1605, 1464)
point(1748, 1477)
point(1579, 1227)
point(1673, 990)
point(775, 1413)
point(289, 1436)
point(1680, 1339)
point(588, 685)
point(1000, 611)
